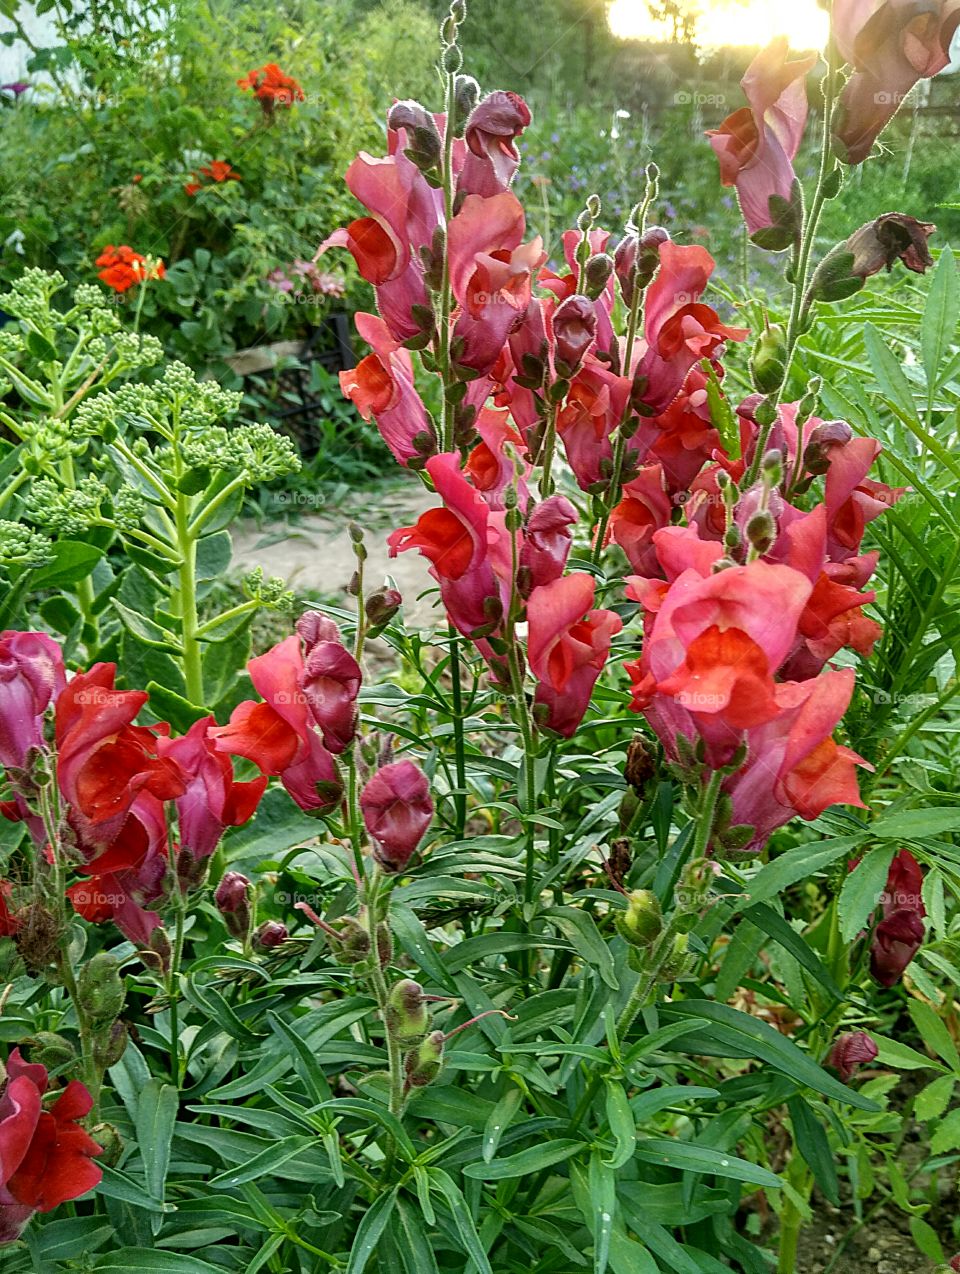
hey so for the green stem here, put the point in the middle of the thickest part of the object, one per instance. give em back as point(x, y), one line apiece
point(381, 991)
point(187, 591)
point(706, 814)
point(242, 608)
point(801, 302)
point(459, 740)
point(446, 297)
point(173, 989)
point(548, 449)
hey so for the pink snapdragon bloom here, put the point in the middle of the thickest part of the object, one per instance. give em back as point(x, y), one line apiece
point(397, 809)
point(891, 45)
point(547, 540)
point(594, 408)
point(331, 680)
point(31, 677)
point(491, 470)
point(644, 508)
point(679, 329)
point(757, 145)
point(491, 273)
point(381, 387)
point(568, 645)
point(492, 158)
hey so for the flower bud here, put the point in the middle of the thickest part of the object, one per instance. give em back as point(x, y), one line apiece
point(768, 366)
point(466, 94)
point(381, 605)
point(271, 934)
point(384, 945)
point(762, 532)
point(100, 989)
point(641, 765)
point(877, 245)
point(424, 1063)
point(397, 810)
point(596, 274)
point(232, 898)
point(642, 922)
point(314, 628)
point(574, 330)
point(191, 870)
point(624, 262)
point(406, 1013)
point(425, 148)
point(850, 1051)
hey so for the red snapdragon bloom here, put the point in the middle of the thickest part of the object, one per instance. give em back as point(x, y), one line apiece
point(46, 1158)
point(212, 799)
point(272, 87)
point(31, 676)
point(899, 935)
point(122, 268)
point(456, 540)
point(568, 645)
point(756, 146)
point(397, 810)
point(280, 735)
point(644, 508)
point(381, 387)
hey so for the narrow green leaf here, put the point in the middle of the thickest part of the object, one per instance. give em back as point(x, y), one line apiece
point(268, 1161)
point(814, 1147)
point(125, 1259)
point(940, 320)
point(796, 864)
point(533, 1159)
point(688, 1157)
point(460, 1211)
point(932, 1101)
point(916, 824)
point(580, 929)
point(861, 891)
point(500, 1119)
point(622, 1123)
point(369, 1231)
point(603, 1201)
point(934, 1034)
point(156, 1117)
point(905, 1058)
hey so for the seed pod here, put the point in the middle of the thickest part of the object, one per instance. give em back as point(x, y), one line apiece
point(641, 764)
point(762, 531)
point(424, 1063)
point(100, 989)
point(232, 898)
point(678, 962)
point(108, 1138)
point(51, 1050)
point(406, 1014)
point(109, 1048)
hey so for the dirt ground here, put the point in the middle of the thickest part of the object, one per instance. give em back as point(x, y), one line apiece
point(879, 1248)
point(315, 552)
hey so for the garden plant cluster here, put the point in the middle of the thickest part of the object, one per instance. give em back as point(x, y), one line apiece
point(608, 922)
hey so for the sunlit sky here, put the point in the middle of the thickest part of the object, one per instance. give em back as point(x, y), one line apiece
point(731, 22)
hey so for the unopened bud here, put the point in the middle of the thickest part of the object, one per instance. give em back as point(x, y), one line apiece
point(762, 532)
point(271, 934)
point(574, 330)
point(354, 941)
point(772, 467)
point(596, 274)
point(424, 1063)
point(406, 1014)
point(232, 898)
point(381, 605)
point(425, 148)
point(768, 365)
point(452, 59)
point(593, 206)
point(384, 945)
point(823, 439)
point(100, 988)
point(642, 922)
point(765, 412)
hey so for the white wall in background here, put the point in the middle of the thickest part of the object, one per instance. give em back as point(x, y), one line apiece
point(13, 61)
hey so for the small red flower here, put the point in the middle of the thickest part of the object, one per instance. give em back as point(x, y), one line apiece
point(272, 87)
point(217, 172)
point(122, 268)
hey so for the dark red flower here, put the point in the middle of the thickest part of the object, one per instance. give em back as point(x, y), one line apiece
point(850, 1051)
point(397, 809)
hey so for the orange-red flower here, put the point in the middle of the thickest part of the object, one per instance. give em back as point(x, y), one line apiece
point(272, 87)
point(122, 268)
point(216, 172)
